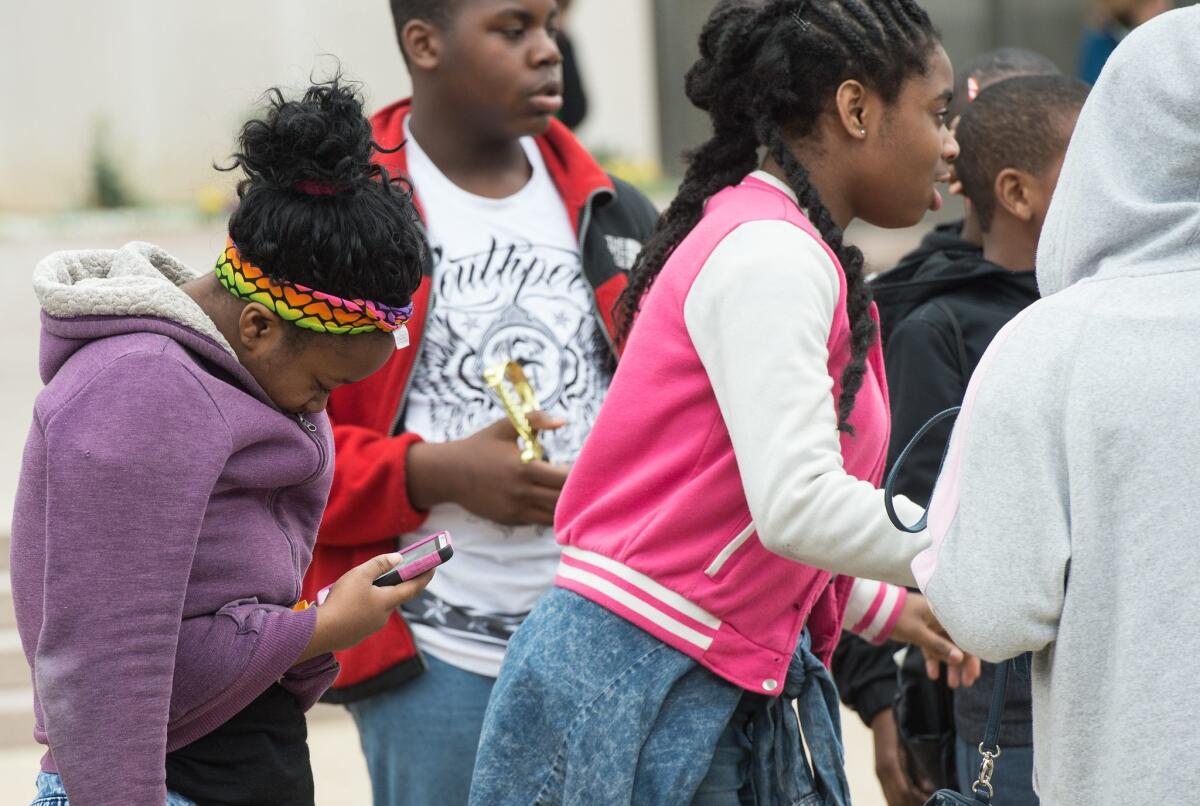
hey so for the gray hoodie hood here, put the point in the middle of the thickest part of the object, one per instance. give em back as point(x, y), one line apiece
point(1128, 199)
point(96, 293)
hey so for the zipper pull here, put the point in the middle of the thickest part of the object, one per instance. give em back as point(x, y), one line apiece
point(306, 425)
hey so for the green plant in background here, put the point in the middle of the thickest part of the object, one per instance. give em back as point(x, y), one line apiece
point(108, 187)
point(646, 175)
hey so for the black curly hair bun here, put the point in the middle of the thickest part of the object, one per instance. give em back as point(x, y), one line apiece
point(322, 137)
point(315, 208)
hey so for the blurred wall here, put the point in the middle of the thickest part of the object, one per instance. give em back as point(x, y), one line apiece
point(172, 81)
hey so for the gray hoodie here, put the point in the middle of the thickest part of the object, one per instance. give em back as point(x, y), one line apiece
point(1066, 521)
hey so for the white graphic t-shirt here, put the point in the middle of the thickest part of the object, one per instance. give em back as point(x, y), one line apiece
point(507, 285)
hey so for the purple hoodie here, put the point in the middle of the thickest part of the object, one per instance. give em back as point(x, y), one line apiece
point(166, 513)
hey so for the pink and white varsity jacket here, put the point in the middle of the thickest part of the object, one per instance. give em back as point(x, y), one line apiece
point(715, 504)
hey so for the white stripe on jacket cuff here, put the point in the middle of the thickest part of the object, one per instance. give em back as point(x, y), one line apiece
point(873, 609)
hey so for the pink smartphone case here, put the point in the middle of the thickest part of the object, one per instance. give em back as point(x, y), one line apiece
point(406, 571)
point(413, 570)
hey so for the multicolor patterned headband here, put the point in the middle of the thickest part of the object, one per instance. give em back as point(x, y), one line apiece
point(303, 306)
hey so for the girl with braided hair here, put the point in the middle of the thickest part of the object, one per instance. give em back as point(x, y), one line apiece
point(726, 498)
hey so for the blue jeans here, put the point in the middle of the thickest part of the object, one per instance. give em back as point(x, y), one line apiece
point(1012, 780)
point(728, 781)
point(420, 739)
point(50, 792)
point(591, 710)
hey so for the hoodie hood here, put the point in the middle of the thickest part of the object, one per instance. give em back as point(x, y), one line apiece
point(1128, 198)
point(944, 240)
point(902, 290)
point(98, 293)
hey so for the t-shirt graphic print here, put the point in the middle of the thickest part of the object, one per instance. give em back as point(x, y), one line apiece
point(521, 302)
point(507, 285)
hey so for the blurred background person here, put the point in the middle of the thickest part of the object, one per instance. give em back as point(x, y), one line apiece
point(1114, 19)
point(574, 93)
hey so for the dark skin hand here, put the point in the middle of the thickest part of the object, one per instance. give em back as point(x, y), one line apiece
point(891, 764)
point(355, 608)
point(483, 474)
point(917, 625)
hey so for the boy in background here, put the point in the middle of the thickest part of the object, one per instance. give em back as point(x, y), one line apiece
point(1118, 18)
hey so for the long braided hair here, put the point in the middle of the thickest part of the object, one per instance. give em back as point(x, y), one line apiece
point(766, 73)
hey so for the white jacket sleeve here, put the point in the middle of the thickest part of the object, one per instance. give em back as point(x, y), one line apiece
point(759, 314)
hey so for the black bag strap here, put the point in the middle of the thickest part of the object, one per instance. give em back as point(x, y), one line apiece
point(889, 486)
point(989, 748)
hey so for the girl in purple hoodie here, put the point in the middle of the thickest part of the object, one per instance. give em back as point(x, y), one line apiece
point(178, 465)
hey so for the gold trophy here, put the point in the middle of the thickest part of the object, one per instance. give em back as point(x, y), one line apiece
point(518, 399)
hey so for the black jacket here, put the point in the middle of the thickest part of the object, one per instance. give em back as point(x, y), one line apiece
point(938, 314)
point(904, 287)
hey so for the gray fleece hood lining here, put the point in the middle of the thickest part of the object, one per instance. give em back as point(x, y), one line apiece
point(139, 279)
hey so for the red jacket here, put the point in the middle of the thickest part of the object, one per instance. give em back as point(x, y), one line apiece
point(368, 506)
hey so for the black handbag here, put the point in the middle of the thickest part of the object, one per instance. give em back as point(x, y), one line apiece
point(924, 712)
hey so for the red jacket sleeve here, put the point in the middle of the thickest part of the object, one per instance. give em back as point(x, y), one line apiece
point(369, 499)
point(368, 503)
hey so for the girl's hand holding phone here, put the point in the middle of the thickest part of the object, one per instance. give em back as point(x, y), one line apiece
point(355, 608)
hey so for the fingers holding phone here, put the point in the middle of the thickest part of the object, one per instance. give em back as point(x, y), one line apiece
point(416, 559)
point(364, 598)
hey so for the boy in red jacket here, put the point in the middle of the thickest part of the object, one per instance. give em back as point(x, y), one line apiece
point(530, 241)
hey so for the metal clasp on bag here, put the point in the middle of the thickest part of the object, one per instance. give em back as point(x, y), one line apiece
point(983, 784)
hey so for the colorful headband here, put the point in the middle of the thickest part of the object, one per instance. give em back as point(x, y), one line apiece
point(301, 305)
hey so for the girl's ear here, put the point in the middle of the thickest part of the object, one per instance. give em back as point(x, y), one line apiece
point(853, 112)
point(260, 330)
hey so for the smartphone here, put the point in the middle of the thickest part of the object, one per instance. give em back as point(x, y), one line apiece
point(418, 558)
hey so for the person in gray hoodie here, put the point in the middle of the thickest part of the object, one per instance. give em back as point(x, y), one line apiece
point(1064, 520)
point(177, 468)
